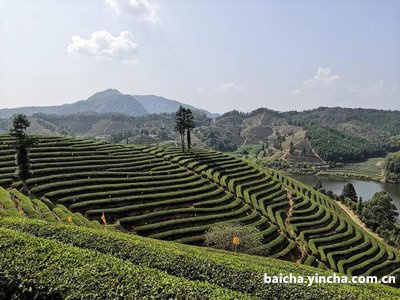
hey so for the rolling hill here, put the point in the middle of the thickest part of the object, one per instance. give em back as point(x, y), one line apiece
point(162, 193)
point(108, 101)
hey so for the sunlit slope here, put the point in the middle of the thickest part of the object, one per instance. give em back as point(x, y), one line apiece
point(322, 231)
point(15, 204)
point(111, 265)
point(166, 194)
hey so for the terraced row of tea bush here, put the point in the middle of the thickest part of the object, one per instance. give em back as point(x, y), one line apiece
point(15, 204)
point(324, 233)
point(139, 191)
point(167, 194)
point(112, 265)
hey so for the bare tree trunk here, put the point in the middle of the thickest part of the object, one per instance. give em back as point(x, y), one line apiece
point(189, 140)
point(183, 142)
point(25, 189)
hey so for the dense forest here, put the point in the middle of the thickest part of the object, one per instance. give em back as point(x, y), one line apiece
point(372, 120)
point(335, 146)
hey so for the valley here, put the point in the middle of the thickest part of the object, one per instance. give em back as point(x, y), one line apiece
point(165, 194)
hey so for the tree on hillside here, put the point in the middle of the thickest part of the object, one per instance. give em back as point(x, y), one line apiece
point(22, 145)
point(291, 147)
point(221, 236)
point(303, 150)
point(380, 213)
point(318, 185)
point(349, 192)
point(189, 125)
point(180, 125)
point(392, 167)
point(359, 208)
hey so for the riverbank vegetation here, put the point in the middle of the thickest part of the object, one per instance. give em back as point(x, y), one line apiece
point(379, 214)
point(392, 167)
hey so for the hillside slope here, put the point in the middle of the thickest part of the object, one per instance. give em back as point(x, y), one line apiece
point(165, 194)
point(15, 204)
point(105, 264)
point(156, 105)
point(107, 101)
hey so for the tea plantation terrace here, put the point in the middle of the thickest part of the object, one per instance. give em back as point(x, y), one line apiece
point(166, 194)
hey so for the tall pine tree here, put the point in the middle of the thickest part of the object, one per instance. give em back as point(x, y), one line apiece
point(189, 125)
point(180, 125)
point(22, 145)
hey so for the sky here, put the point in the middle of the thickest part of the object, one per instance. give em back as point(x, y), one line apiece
point(217, 55)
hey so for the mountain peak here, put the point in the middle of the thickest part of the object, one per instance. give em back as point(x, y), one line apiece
point(108, 101)
point(106, 93)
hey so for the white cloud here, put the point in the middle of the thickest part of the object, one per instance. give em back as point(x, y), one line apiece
point(200, 90)
point(229, 87)
point(143, 10)
point(377, 90)
point(103, 44)
point(322, 80)
point(326, 88)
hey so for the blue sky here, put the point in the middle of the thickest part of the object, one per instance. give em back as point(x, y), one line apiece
point(217, 55)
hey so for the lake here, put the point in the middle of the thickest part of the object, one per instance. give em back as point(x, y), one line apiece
point(365, 189)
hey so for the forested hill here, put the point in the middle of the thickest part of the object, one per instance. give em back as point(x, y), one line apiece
point(108, 101)
point(349, 135)
point(336, 134)
point(366, 122)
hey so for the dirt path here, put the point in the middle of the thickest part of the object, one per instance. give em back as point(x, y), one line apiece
point(314, 152)
point(301, 246)
point(289, 214)
point(357, 220)
point(260, 122)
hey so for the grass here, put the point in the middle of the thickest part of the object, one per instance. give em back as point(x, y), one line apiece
point(370, 169)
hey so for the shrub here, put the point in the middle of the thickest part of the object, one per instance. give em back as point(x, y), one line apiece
point(220, 236)
point(37, 268)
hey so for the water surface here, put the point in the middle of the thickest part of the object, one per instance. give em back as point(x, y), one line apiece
point(365, 189)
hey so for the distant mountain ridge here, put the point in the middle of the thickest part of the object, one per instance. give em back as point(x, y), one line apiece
point(108, 101)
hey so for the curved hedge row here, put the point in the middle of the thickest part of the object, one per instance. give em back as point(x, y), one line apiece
point(167, 194)
point(33, 267)
point(312, 219)
point(237, 272)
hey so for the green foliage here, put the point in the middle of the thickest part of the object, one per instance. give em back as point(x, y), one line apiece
point(349, 192)
point(291, 148)
point(382, 209)
point(184, 123)
point(374, 122)
point(26, 204)
point(220, 236)
point(22, 144)
point(318, 185)
point(237, 272)
point(335, 146)
point(7, 206)
point(360, 207)
point(174, 195)
point(189, 125)
point(380, 215)
point(217, 141)
point(40, 268)
point(392, 167)
point(180, 125)
point(249, 150)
